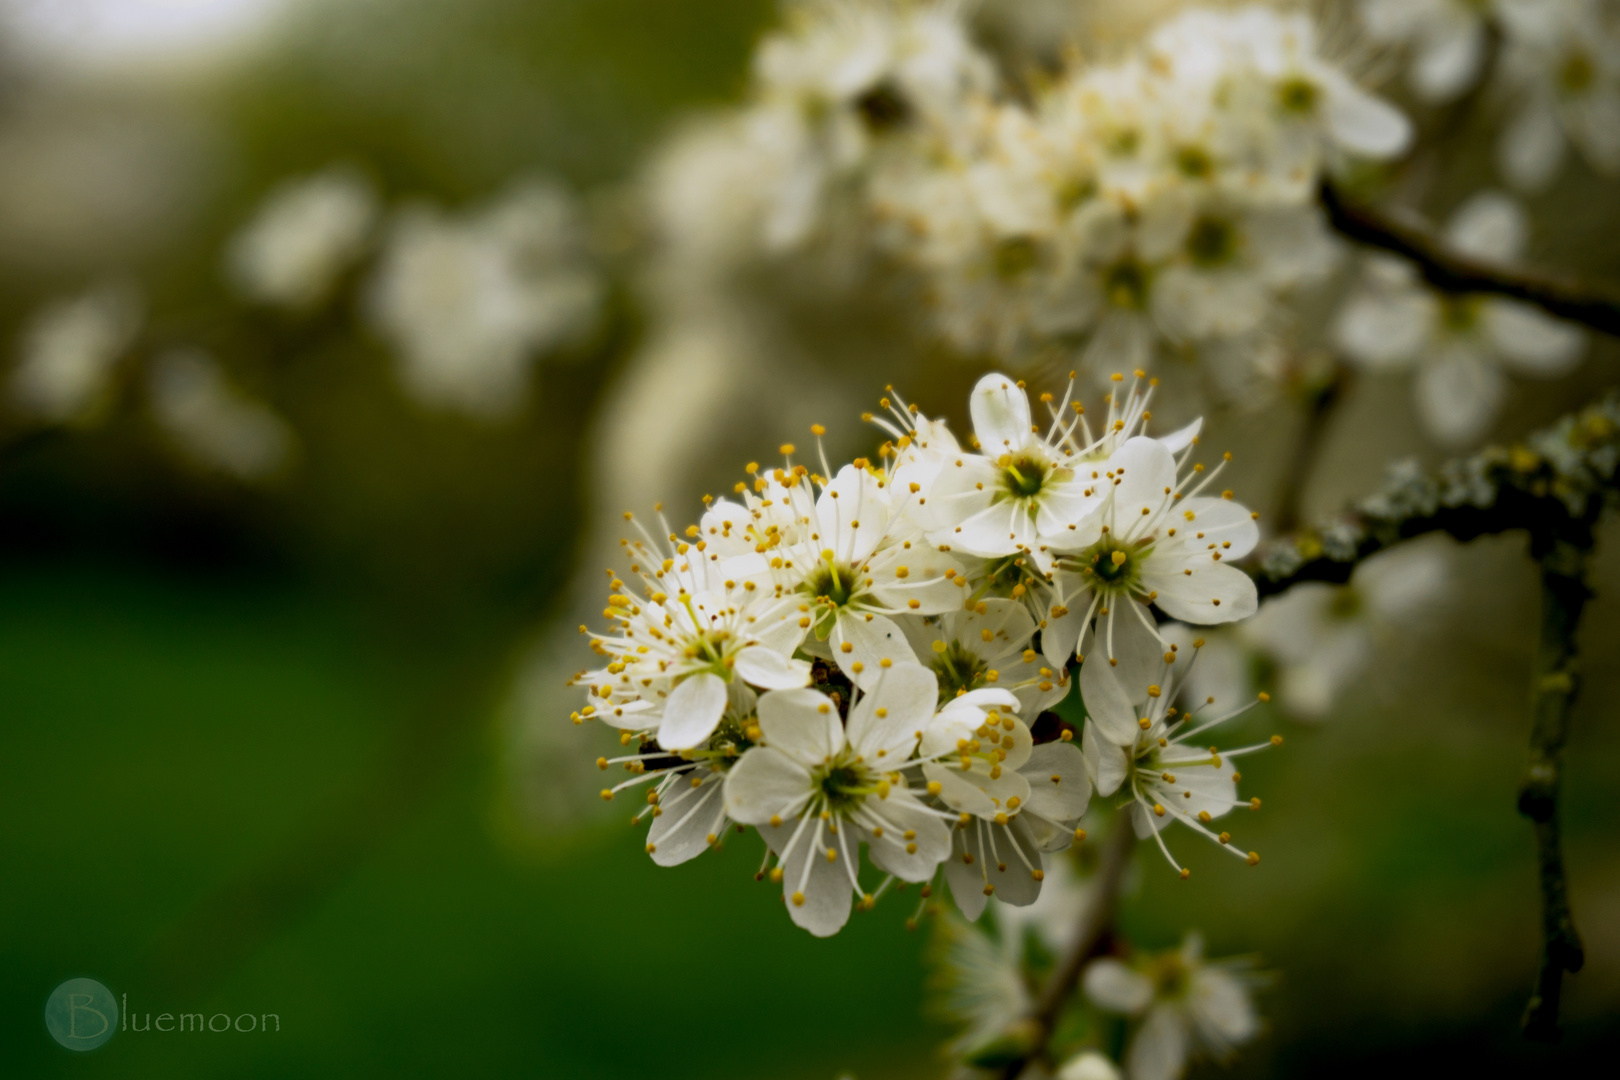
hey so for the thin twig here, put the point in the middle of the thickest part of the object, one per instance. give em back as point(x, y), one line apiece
point(1564, 593)
point(1320, 403)
point(1096, 917)
point(1448, 271)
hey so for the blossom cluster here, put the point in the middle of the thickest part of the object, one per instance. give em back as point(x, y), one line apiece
point(1159, 203)
point(1558, 73)
point(869, 655)
point(467, 301)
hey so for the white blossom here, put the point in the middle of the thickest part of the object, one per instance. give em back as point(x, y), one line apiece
point(817, 790)
point(69, 352)
point(1137, 741)
point(1447, 41)
point(1560, 69)
point(470, 301)
point(1459, 345)
point(1187, 1006)
point(214, 423)
point(306, 234)
point(1321, 637)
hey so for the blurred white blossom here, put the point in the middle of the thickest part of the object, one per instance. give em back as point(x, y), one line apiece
point(1088, 1065)
point(1188, 1007)
point(1322, 637)
point(1459, 345)
point(1447, 41)
point(470, 301)
point(305, 235)
point(213, 423)
point(1560, 73)
point(69, 352)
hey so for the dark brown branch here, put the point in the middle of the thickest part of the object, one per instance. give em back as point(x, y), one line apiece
point(1558, 479)
point(1564, 593)
point(1096, 917)
point(1448, 271)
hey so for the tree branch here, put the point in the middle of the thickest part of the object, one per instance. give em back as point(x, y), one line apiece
point(1320, 402)
point(1096, 917)
point(1559, 479)
point(1564, 593)
point(1598, 308)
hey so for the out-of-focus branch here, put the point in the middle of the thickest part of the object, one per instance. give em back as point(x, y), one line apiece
point(1558, 479)
point(1320, 402)
point(1596, 307)
point(1564, 593)
point(1096, 917)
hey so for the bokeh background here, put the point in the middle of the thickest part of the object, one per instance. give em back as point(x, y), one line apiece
point(300, 746)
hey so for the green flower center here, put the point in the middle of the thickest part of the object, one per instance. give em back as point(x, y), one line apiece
point(1577, 73)
point(959, 670)
point(1023, 477)
point(1126, 284)
point(832, 583)
point(1298, 95)
point(1195, 163)
point(1170, 976)
point(883, 108)
point(1015, 257)
point(1110, 565)
point(1212, 242)
point(1459, 314)
point(844, 785)
point(1346, 603)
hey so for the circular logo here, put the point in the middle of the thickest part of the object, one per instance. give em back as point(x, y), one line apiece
point(81, 1014)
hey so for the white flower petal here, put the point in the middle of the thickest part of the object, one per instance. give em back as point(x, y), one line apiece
point(764, 783)
point(872, 639)
point(1530, 150)
point(770, 670)
point(1159, 1051)
point(1115, 987)
point(904, 814)
point(1107, 763)
point(690, 816)
point(888, 720)
point(1490, 225)
point(1458, 394)
point(692, 711)
point(1362, 123)
point(1059, 788)
point(803, 724)
point(1107, 703)
point(1000, 411)
point(1530, 341)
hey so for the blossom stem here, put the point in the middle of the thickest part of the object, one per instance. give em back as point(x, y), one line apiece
point(1096, 917)
point(1320, 402)
point(1564, 593)
point(1594, 307)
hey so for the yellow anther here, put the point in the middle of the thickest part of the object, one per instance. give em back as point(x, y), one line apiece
point(1158, 809)
point(776, 875)
point(1153, 691)
point(607, 796)
point(798, 899)
point(1253, 859)
point(832, 854)
point(1264, 696)
point(815, 429)
point(934, 787)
